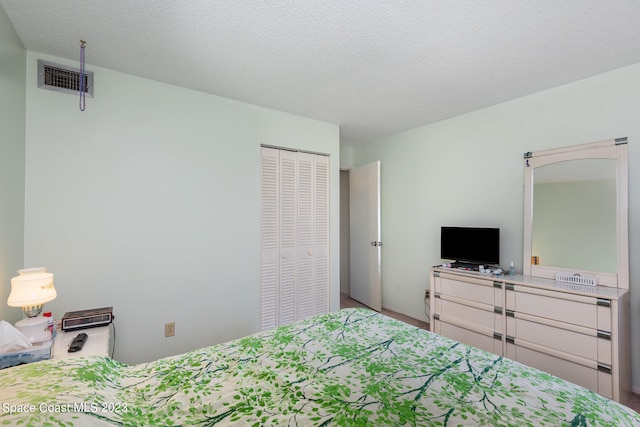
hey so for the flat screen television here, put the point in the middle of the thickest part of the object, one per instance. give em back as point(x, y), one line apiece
point(470, 245)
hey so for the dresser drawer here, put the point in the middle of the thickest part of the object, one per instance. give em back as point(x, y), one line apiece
point(579, 310)
point(477, 314)
point(582, 343)
point(480, 290)
point(578, 373)
point(470, 335)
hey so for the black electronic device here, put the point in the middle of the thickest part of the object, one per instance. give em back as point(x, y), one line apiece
point(470, 246)
point(83, 319)
point(78, 342)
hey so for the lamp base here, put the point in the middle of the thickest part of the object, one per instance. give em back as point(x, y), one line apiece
point(36, 329)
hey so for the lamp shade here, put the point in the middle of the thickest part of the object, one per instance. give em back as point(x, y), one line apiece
point(33, 286)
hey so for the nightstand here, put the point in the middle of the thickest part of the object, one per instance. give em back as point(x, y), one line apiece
point(99, 343)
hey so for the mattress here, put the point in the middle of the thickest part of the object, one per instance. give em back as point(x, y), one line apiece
point(350, 367)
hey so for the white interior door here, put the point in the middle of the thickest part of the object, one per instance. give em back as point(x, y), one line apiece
point(366, 251)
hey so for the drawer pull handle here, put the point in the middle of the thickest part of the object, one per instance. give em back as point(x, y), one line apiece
point(511, 340)
point(603, 367)
point(510, 313)
point(509, 286)
point(604, 334)
point(497, 285)
point(497, 310)
point(436, 295)
point(497, 336)
point(603, 302)
point(436, 274)
point(436, 317)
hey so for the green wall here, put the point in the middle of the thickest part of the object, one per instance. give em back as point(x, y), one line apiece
point(12, 146)
point(149, 201)
point(468, 170)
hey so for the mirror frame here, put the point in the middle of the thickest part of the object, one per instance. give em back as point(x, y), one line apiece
point(615, 149)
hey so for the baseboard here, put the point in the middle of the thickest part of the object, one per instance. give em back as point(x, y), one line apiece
point(422, 318)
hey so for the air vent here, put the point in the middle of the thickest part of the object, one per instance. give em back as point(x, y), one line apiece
point(63, 79)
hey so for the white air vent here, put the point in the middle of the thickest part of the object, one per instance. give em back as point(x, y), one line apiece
point(63, 79)
point(577, 279)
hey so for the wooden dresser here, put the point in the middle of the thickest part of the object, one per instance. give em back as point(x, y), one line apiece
point(577, 332)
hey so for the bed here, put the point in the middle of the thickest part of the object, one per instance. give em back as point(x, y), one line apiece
point(351, 367)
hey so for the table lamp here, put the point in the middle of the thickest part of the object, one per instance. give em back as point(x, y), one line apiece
point(32, 288)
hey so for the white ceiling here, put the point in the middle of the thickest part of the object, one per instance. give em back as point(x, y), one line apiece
point(376, 68)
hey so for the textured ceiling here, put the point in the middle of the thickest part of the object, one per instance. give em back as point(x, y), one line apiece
point(375, 68)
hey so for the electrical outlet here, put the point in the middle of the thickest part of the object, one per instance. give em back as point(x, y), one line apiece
point(169, 329)
point(427, 294)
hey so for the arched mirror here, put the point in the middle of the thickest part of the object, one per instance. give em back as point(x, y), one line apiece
point(576, 219)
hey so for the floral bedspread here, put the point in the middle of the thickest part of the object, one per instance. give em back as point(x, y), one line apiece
point(348, 368)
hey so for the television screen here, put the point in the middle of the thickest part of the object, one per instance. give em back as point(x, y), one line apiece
point(475, 245)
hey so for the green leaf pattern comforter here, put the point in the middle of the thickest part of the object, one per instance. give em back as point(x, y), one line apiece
point(349, 368)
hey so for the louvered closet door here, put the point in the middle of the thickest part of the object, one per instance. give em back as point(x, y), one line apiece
point(305, 235)
point(288, 237)
point(321, 235)
point(313, 235)
point(269, 236)
point(294, 236)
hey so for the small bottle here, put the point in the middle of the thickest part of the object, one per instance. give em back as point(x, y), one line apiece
point(512, 269)
point(52, 329)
